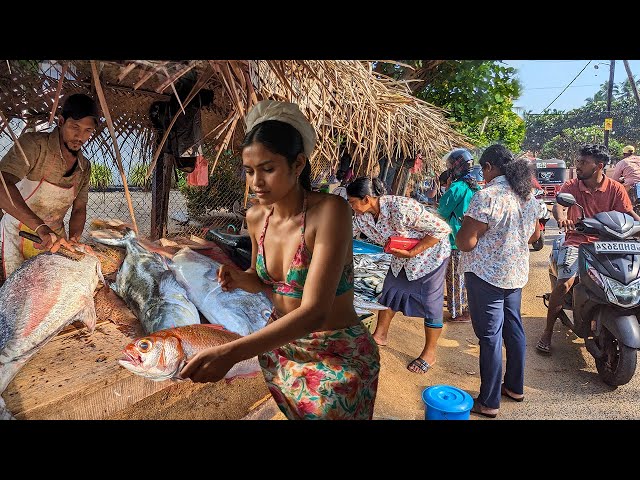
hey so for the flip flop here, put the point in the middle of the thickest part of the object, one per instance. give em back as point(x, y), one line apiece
point(476, 409)
point(504, 392)
point(543, 348)
point(421, 364)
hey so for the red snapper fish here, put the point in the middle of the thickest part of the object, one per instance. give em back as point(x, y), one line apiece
point(162, 355)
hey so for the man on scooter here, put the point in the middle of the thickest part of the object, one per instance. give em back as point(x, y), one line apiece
point(596, 193)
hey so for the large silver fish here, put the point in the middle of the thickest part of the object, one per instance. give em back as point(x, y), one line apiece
point(45, 294)
point(237, 311)
point(149, 288)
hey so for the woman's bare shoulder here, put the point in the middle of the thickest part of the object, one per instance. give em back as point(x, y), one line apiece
point(256, 214)
point(327, 204)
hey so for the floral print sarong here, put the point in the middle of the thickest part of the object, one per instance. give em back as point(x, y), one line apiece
point(331, 374)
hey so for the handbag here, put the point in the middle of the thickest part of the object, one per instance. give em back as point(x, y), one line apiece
point(401, 243)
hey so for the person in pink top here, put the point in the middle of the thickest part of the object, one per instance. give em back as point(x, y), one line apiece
point(596, 193)
point(628, 167)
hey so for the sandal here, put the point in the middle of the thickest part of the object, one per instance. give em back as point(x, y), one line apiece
point(419, 363)
point(488, 412)
point(511, 395)
point(544, 348)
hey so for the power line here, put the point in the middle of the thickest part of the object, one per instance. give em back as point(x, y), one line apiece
point(553, 88)
point(565, 88)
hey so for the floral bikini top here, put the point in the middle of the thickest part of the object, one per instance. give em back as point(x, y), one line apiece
point(294, 282)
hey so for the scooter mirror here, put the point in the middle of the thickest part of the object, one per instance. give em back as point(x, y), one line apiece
point(565, 199)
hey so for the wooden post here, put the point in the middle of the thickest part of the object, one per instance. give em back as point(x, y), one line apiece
point(400, 179)
point(112, 132)
point(160, 188)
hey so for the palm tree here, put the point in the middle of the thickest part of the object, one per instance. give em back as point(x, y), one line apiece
point(602, 94)
point(626, 92)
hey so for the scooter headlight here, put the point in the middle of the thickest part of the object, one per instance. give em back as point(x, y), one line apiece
point(623, 295)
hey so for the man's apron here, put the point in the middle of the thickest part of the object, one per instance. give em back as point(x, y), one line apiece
point(51, 203)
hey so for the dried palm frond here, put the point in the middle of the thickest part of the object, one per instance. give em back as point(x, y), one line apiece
point(343, 99)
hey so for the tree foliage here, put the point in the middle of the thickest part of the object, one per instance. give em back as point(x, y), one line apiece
point(566, 145)
point(625, 112)
point(476, 94)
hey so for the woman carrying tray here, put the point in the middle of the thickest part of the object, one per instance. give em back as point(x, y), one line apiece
point(414, 284)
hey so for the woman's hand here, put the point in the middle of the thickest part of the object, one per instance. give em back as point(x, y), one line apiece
point(230, 279)
point(209, 365)
point(396, 252)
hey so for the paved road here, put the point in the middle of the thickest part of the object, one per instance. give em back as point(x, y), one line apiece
point(564, 385)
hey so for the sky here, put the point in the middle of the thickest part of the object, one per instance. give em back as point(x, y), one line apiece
point(543, 80)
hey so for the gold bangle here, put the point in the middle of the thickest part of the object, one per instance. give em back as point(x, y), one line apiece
point(41, 225)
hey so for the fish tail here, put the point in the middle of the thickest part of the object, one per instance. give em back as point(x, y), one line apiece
point(113, 238)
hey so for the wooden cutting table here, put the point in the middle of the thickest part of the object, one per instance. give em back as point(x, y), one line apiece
point(76, 376)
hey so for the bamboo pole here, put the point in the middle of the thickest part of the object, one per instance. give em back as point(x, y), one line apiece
point(125, 71)
point(107, 116)
point(196, 88)
point(632, 81)
point(15, 139)
point(6, 189)
point(58, 90)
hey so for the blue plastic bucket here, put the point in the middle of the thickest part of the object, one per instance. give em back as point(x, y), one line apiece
point(364, 247)
point(444, 402)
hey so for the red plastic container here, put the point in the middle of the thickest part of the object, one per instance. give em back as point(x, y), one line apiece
point(400, 243)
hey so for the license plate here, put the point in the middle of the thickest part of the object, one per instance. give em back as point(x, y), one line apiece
point(617, 247)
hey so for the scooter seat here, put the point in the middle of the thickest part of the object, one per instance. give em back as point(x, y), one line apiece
point(229, 239)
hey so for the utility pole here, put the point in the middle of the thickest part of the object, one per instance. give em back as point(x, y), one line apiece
point(632, 82)
point(608, 123)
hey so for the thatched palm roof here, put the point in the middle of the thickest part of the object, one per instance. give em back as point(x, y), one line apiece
point(343, 99)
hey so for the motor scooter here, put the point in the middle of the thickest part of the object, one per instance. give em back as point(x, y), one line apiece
point(605, 297)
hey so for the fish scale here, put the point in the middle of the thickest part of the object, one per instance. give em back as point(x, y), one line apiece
point(44, 295)
point(238, 311)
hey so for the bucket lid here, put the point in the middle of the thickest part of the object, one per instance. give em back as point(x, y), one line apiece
point(447, 398)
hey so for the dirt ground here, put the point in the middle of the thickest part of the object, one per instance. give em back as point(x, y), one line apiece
point(562, 386)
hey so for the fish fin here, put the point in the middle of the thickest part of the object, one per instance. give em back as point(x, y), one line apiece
point(100, 276)
point(212, 273)
point(87, 314)
point(244, 369)
point(4, 413)
point(112, 237)
point(217, 326)
point(168, 282)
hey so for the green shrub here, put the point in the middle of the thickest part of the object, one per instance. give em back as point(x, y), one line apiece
point(137, 176)
point(101, 176)
point(225, 186)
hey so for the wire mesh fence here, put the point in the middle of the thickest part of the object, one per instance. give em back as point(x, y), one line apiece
point(192, 209)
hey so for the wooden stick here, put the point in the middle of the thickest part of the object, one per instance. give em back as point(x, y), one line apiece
point(6, 189)
point(125, 71)
point(15, 139)
point(173, 87)
point(196, 88)
point(175, 77)
point(58, 90)
point(107, 116)
point(148, 75)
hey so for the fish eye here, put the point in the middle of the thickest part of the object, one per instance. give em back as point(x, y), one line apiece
point(144, 345)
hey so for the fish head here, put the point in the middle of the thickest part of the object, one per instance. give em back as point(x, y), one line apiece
point(157, 357)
